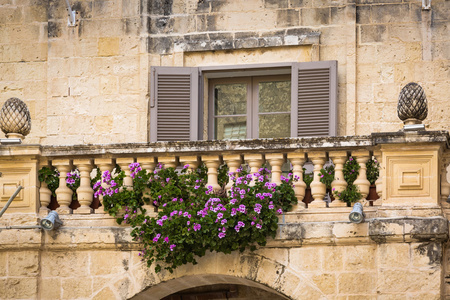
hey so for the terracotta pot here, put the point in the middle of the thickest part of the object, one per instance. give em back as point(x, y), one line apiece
point(372, 196)
point(308, 197)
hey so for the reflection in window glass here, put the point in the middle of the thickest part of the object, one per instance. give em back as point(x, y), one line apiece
point(230, 99)
point(274, 96)
point(274, 125)
point(230, 128)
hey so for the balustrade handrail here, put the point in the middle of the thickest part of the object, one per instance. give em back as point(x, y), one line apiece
point(254, 153)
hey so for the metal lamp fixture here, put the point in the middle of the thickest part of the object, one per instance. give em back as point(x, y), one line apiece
point(357, 214)
point(71, 21)
point(51, 221)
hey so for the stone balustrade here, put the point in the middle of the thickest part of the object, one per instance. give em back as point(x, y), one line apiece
point(412, 172)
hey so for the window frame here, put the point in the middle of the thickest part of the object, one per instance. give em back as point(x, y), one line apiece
point(252, 106)
point(314, 87)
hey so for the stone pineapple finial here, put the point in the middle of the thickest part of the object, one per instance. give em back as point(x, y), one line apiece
point(412, 105)
point(15, 120)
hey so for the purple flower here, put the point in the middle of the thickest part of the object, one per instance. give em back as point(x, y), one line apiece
point(186, 166)
point(156, 238)
point(222, 235)
point(241, 224)
point(197, 226)
point(223, 222)
point(219, 216)
point(172, 247)
point(280, 211)
point(166, 239)
point(259, 226)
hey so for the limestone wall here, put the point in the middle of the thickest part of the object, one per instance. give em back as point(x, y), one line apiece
point(89, 83)
point(386, 258)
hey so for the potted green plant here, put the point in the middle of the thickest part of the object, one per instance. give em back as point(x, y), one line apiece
point(307, 178)
point(372, 172)
point(351, 193)
point(327, 177)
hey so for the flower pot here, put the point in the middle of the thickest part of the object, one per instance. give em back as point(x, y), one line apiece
point(308, 196)
point(372, 196)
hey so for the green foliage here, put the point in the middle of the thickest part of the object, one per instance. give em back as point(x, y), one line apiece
point(351, 193)
point(192, 217)
point(51, 177)
point(327, 176)
point(307, 178)
point(373, 170)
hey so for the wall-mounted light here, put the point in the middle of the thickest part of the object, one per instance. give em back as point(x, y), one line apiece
point(51, 221)
point(357, 214)
point(71, 21)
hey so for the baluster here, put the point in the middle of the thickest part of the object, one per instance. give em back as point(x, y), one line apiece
point(45, 195)
point(318, 189)
point(124, 164)
point(445, 186)
point(338, 184)
point(212, 162)
point(192, 161)
point(276, 161)
point(255, 162)
point(297, 160)
point(379, 182)
point(104, 164)
point(362, 157)
point(148, 164)
point(169, 161)
point(85, 192)
point(63, 192)
point(233, 162)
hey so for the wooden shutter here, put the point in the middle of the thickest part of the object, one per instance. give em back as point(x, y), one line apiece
point(314, 99)
point(174, 104)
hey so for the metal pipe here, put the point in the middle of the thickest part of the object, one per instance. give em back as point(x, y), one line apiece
point(10, 200)
point(21, 227)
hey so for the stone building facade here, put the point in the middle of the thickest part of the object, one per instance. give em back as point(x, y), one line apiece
point(90, 86)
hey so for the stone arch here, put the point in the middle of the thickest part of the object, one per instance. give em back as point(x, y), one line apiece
point(258, 270)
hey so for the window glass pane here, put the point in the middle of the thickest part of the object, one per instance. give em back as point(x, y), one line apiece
point(230, 128)
point(274, 96)
point(274, 126)
point(230, 99)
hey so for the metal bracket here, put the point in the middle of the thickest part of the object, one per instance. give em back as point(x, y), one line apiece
point(71, 21)
point(426, 4)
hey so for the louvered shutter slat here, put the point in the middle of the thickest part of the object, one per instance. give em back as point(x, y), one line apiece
point(175, 113)
point(314, 99)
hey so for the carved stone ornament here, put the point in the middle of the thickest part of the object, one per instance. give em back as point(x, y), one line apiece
point(412, 105)
point(15, 120)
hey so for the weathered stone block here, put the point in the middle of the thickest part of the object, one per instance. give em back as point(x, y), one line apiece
point(109, 262)
point(105, 293)
point(65, 264)
point(21, 288)
point(271, 4)
point(360, 258)
point(287, 18)
point(326, 282)
point(50, 288)
point(393, 255)
point(305, 259)
point(108, 46)
point(315, 16)
point(391, 13)
point(357, 283)
point(373, 33)
point(23, 263)
point(76, 287)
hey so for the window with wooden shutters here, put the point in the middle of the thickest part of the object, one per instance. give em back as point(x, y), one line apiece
point(314, 99)
point(174, 104)
point(312, 111)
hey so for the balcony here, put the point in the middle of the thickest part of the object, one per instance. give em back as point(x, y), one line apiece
point(412, 182)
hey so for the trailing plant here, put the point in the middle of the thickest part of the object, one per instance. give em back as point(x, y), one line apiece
point(351, 193)
point(373, 170)
point(307, 178)
point(51, 177)
point(327, 176)
point(192, 217)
